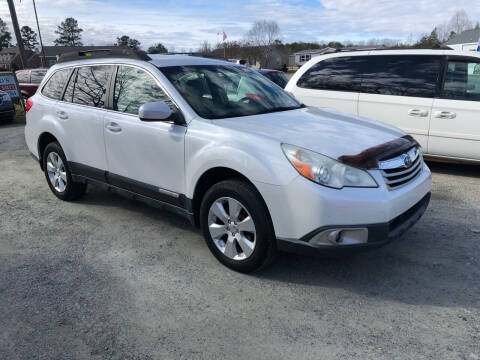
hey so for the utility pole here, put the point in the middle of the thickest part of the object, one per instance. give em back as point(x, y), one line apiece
point(16, 29)
point(44, 60)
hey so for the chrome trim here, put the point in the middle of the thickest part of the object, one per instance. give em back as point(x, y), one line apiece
point(396, 177)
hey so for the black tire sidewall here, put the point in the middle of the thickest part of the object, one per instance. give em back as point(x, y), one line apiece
point(55, 147)
point(252, 201)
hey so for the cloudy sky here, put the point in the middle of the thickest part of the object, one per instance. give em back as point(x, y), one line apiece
point(185, 24)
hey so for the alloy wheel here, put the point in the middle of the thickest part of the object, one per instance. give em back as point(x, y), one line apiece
point(232, 228)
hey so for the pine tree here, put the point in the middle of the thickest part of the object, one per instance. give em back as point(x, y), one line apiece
point(159, 49)
point(69, 33)
point(29, 38)
point(127, 41)
point(5, 36)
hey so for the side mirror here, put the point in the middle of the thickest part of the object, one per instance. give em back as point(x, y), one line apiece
point(158, 111)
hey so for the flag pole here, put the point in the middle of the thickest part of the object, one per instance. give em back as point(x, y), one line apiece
point(43, 58)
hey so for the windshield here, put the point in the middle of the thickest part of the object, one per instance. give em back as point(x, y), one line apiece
point(221, 91)
point(277, 77)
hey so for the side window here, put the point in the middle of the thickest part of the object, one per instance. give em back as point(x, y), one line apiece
point(133, 88)
point(36, 76)
point(68, 96)
point(403, 75)
point(54, 87)
point(91, 85)
point(339, 74)
point(462, 81)
point(23, 76)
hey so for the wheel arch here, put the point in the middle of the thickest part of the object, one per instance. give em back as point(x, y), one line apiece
point(213, 176)
point(43, 140)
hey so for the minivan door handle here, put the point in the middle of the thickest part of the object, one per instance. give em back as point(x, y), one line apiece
point(418, 112)
point(62, 115)
point(114, 127)
point(444, 114)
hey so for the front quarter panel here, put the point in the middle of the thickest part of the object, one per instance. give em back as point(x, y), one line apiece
point(258, 158)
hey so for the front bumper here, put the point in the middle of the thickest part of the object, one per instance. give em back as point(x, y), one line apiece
point(378, 234)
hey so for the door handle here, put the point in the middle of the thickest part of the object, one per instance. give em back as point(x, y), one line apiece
point(418, 112)
point(445, 114)
point(62, 115)
point(114, 127)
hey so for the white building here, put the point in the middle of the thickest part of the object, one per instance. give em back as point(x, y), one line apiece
point(466, 41)
point(301, 57)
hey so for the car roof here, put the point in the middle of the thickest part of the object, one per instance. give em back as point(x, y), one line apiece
point(405, 52)
point(162, 60)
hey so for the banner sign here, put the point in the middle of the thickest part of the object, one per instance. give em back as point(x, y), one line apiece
point(9, 84)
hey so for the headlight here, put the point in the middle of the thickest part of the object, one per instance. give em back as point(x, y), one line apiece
point(326, 171)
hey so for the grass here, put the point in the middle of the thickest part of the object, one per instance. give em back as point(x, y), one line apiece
point(19, 114)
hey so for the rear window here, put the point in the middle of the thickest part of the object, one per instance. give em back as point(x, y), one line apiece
point(36, 76)
point(337, 74)
point(53, 89)
point(90, 86)
point(23, 76)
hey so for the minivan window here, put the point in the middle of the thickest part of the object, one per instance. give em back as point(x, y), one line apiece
point(402, 75)
point(462, 81)
point(53, 89)
point(37, 76)
point(337, 74)
point(133, 88)
point(23, 76)
point(221, 91)
point(91, 84)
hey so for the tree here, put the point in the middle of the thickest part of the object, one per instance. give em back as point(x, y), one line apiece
point(157, 49)
point(460, 22)
point(428, 41)
point(68, 33)
point(262, 36)
point(127, 41)
point(29, 38)
point(205, 49)
point(5, 36)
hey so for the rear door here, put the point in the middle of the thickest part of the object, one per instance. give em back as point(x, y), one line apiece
point(455, 124)
point(399, 89)
point(81, 113)
point(333, 83)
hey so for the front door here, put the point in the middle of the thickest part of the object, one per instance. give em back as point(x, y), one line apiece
point(455, 124)
point(144, 157)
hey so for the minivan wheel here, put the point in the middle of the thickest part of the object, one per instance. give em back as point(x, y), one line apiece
point(58, 175)
point(236, 226)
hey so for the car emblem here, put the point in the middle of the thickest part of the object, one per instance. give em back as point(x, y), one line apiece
point(407, 161)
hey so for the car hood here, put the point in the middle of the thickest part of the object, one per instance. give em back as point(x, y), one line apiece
point(325, 131)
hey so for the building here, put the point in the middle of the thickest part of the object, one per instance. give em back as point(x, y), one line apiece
point(466, 41)
point(10, 59)
point(301, 57)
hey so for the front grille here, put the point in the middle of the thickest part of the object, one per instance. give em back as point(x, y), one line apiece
point(401, 169)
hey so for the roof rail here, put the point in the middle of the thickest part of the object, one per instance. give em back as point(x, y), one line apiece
point(436, 47)
point(103, 53)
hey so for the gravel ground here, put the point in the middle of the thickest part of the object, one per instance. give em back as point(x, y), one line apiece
point(111, 278)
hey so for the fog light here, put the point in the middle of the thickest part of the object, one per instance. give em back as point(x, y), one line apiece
point(340, 236)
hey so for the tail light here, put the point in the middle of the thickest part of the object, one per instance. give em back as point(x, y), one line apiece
point(29, 104)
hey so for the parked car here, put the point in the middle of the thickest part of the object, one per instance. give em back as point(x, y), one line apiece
point(434, 95)
point(7, 109)
point(221, 145)
point(278, 77)
point(29, 79)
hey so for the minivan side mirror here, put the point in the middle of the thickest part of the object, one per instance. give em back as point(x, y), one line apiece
point(158, 111)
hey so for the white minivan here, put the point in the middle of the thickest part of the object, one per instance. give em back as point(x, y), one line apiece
point(433, 95)
point(225, 147)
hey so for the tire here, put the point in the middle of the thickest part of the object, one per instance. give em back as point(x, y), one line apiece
point(233, 238)
point(70, 190)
